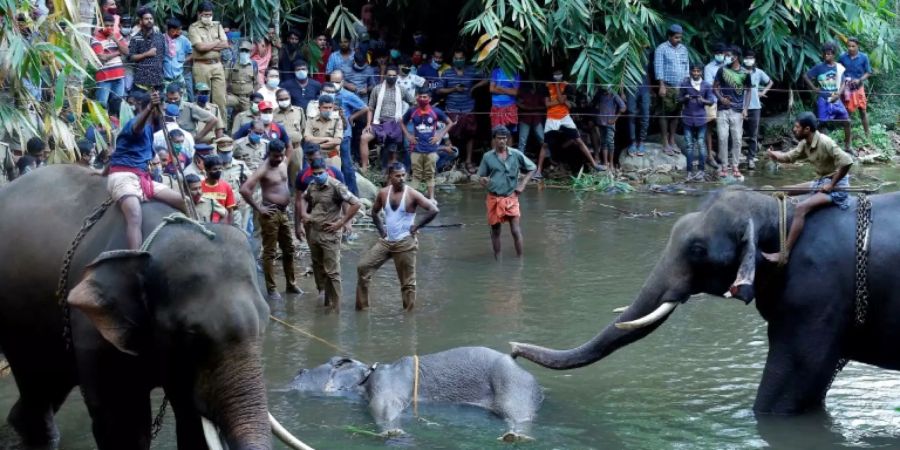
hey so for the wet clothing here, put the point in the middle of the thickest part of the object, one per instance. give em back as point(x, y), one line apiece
point(397, 221)
point(276, 232)
point(824, 155)
point(325, 203)
point(502, 209)
point(403, 252)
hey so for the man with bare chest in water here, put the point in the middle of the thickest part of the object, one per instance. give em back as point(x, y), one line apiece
point(272, 176)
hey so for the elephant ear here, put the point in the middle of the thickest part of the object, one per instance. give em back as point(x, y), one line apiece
point(111, 295)
point(742, 288)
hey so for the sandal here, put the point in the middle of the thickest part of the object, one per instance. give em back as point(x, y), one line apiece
point(640, 150)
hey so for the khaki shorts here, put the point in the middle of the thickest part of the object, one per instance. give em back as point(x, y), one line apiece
point(125, 184)
point(423, 167)
point(668, 104)
point(711, 111)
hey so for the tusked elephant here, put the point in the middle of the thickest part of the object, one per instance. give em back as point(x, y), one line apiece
point(186, 315)
point(809, 304)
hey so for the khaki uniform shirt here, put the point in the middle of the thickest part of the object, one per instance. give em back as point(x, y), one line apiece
point(199, 33)
point(207, 206)
point(252, 155)
point(294, 122)
point(235, 175)
point(242, 80)
point(824, 155)
point(243, 118)
point(321, 127)
point(213, 109)
point(192, 117)
point(325, 202)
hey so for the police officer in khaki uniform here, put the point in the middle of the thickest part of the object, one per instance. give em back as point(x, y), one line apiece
point(235, 173)
point(293, 119)
point(250, 115)
point(208, 39)
point(191, 117)
point(252, 147)
point(242, 80)
point(327, 130)
point(202, 92)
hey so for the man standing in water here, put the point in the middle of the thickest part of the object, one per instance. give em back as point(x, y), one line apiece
point(272, 176)
point(398, 236)
point(499, 173)
point(320, 207)
point(831, 165)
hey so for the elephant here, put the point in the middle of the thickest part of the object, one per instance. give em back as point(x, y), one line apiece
point(185, 314)
point(809, 304)
point(475, 376)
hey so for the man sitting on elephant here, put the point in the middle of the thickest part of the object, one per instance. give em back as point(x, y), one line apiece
point(831, 164)
point(129, 181)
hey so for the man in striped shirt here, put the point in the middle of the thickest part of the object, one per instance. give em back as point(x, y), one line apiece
point(109, 45)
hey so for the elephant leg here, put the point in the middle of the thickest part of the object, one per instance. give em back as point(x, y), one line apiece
point(118, 399)
point(188, 429)
point(799, 368)
point(42, 390)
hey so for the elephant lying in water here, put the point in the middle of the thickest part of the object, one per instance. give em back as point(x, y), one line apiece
point(186, 315)
point(808, 304)
point(475, 376)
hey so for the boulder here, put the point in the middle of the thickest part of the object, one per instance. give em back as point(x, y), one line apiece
point(452, 177)
point(366, 188)
point(654, 159)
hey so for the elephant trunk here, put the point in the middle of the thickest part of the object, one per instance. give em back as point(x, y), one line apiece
point(653, 297)
point(235, 395)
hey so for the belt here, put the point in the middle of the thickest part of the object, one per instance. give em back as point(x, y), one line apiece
point(281, 208)
point(208, 61)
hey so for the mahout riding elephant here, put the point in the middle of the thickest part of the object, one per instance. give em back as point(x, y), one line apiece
point(185, 315)
point(810, 303)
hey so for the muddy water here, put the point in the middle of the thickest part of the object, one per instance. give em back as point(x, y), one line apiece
point(691, 384)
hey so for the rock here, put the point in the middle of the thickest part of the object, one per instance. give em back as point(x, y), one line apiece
point(452, 177)
point(654, 159)
point(366, 188)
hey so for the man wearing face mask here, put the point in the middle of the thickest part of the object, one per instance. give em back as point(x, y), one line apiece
point(253, 147)
point(248, 116)
point(170, 117)
point(383, 120)
point(361, 79)
point(312, 152)
point(754, 110)
point(146, 50)
point(301, 87)
point(272, 130)
point(353, 109)
point(192, 118)
point(234, 172)
point(271, 211)
point(202, 90)
point(208, 38)
point(459, 83)
point(214, 188)
point(293, 119)
point(343, 59)
point(408, 80)
point(290, 52)
point(178, 52)
point(198, 162)
point(273, 79)
point(319, 218)
point(327, 130)
point(242, 80)
point(109, 46)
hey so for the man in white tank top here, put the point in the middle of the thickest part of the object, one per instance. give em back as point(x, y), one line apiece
point(398, 236)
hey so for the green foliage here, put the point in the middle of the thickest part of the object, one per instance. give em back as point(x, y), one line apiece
point(606, 40)
point(599, 182)
point(253, 17)
point(879, 140)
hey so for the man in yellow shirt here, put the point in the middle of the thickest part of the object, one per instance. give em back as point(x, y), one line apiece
point(831, 164)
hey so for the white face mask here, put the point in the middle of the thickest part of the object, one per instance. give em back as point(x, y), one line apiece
point(557, 76)
point(284, 104)
point(273, 82)
point(749, 62)
point(244, 58)
point(728, 60)
point(206, 20)
point(267, 118)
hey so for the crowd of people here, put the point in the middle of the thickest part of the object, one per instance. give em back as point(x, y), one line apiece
point(247, 126)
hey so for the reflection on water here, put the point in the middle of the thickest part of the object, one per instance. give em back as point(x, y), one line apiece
point(691, 384)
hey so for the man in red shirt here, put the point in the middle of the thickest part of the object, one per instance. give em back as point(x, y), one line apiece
point(215, 189)
point(109, 45)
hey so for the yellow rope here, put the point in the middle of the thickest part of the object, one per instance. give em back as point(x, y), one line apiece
point(310, 335)
point(416, 386)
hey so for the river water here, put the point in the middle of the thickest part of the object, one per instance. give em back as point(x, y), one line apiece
point(689, 385)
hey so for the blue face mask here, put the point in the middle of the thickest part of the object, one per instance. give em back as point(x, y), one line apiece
point(321, 178)
point(254, 138)
point(202, 99)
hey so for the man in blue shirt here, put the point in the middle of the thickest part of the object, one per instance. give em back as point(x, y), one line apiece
point(342, 59)
point(425, 139)
point(829, 82)
point(459, 82)
point(129, 181)
point(178, 51)
point(671, 65)
point(302, 88)
point(857, 70)
point(352, 108)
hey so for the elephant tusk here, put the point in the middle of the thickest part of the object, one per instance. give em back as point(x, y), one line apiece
point(660, 312)
point(285, 436)
point(211, 434)
point(620, 309)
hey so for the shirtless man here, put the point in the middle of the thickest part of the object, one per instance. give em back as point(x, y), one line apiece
point(831, 164)
point(398, 236)
point(272, 176)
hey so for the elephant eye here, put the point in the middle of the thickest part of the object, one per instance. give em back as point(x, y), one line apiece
point(697, 250)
